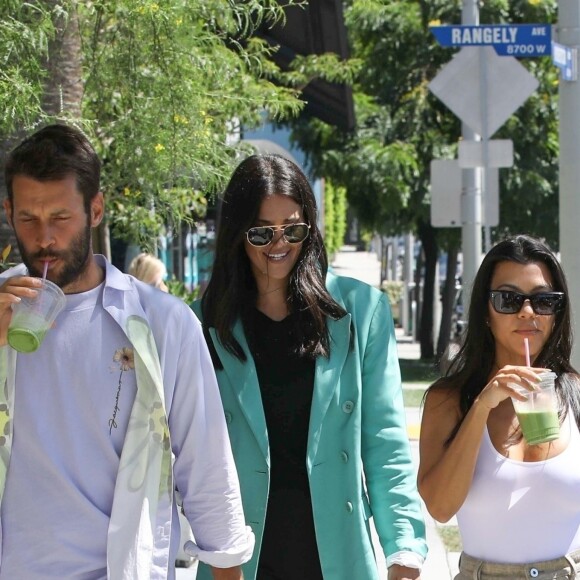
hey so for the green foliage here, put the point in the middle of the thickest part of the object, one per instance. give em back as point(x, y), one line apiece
point(165, 81)
point(401, 126)
point(334, 217)
point(166, 86)
point(418, 371)
point(177, 288)
point(26, 29)
point(327, 66)
point(394, 290)
point(4, 264)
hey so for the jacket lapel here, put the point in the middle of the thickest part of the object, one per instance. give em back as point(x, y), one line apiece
point(243, 379)
point(326, 380)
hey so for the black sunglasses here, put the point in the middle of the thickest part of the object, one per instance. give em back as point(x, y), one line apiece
point(510, 302)
point(263, 235)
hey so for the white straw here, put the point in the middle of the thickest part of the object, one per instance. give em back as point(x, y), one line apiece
point(527, 351)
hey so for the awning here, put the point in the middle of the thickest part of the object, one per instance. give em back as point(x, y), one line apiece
point(316, 28)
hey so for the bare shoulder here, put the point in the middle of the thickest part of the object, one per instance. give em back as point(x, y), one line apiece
point(441, 413)
point(442, 398)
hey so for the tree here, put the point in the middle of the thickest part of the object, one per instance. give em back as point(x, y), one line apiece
point(162, 86)
point(334, 217)
point(401, 127)
point(26, 28)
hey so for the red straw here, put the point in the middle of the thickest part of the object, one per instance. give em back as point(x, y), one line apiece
point(527, 351)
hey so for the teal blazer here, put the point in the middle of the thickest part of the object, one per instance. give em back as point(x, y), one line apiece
point(358, 460)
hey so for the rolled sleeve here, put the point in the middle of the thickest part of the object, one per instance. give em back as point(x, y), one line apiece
point(407, 559)
point(234, 556)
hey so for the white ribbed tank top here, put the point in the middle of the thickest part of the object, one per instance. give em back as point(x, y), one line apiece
point(518, 512)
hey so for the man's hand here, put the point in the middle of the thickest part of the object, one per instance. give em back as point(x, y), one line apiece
point(227, 573)
point(10, 293)
point(397, 572)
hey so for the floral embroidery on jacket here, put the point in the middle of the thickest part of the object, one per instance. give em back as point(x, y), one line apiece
point(125, 358)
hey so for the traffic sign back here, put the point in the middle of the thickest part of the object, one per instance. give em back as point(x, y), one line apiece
point(485, 107)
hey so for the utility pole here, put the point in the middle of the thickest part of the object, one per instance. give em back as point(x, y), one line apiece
point(471, 217)
point(569, 35)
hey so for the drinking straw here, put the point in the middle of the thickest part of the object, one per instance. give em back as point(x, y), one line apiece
point(527, 351)
point(44, 273)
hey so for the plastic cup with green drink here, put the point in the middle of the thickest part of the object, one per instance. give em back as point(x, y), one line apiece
point(33, 317)
point(538, 414)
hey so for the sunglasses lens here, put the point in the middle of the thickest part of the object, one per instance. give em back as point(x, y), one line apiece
point(260, 236)
point(296, 233)
point(507, 302)
point(546, 303)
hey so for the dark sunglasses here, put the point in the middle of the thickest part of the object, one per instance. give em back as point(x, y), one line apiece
point(263, 235)
point(510, 302)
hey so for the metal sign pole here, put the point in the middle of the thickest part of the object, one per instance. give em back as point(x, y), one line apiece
point(471, 193)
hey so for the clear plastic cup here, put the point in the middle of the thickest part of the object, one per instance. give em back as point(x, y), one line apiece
point(32, 317)
point(538, 414)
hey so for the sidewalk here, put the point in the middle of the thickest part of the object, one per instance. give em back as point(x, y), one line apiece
point(440, 564)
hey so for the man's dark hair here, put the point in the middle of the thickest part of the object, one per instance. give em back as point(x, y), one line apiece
point(56, 152)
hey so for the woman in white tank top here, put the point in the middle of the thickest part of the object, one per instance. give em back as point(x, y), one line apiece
point(517, 504)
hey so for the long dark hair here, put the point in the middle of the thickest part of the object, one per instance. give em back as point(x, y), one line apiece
point(232, 293)
point(469, 371)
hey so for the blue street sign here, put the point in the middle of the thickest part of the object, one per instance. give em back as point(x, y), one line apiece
point(519, 40)
point(564, 58)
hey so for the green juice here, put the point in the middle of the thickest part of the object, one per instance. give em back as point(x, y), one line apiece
point(539, 426)
point(26, 331)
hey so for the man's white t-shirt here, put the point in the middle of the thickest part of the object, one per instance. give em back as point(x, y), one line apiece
point(58, 496)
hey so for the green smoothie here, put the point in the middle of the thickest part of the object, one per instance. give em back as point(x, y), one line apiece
point(539, 426)
point(26, 331)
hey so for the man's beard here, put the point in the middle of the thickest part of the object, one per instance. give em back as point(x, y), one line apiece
point(73, 262)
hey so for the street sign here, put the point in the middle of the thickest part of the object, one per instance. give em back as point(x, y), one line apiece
point(446, 187)
point(566, 59)
point(490, 153)
point(519, 40)
point(482, 88)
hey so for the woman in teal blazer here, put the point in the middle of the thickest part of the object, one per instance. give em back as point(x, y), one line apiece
point(310, 383)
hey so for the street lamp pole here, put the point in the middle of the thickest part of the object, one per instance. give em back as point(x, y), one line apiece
point(569, 35)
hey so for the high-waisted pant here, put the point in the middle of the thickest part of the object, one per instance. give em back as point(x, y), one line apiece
point(567, 567)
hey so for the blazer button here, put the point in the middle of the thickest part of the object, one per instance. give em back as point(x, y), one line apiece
point(349, 507)
point(344, 456)
point(228, 416)
point(348, 406)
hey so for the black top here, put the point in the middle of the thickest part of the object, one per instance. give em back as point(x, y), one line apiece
point(289, 549)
